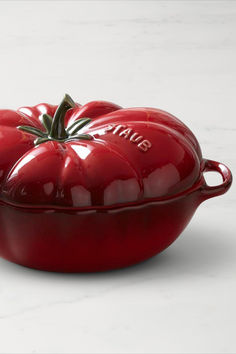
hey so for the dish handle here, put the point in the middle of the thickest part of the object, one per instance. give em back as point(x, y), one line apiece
point(213, 191)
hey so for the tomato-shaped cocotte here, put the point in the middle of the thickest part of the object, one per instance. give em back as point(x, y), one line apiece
point(99, 173)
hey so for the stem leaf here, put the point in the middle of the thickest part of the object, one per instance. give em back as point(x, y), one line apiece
point(84, 136)
point(32, 130)
point(77, 125)
point(40, 141)
point(80, 136)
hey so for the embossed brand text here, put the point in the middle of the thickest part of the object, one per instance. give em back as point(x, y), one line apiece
point(128, 133)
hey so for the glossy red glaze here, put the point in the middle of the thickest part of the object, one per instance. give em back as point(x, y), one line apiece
point(109, 202)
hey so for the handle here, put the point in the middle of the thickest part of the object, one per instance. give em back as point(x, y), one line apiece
point(213, 191)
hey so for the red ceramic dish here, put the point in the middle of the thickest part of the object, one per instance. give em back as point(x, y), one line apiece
point(96, 187)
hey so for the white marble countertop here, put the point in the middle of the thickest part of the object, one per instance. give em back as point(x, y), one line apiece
point(176, 55)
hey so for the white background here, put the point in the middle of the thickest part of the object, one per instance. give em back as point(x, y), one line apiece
point(176, 55)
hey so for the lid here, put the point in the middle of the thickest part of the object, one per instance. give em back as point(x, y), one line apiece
point(103, 156)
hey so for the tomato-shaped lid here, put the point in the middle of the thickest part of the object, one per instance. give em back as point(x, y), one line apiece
point(96, 155)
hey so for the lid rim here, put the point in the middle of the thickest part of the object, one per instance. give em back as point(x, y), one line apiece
point(103, 208)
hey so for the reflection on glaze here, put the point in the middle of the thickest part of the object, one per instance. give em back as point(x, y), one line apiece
point(27, 111)
point(160, 181)
point(81, 197)
point(81, 151)
point(42, 108)
point(48, 188)
point(121, 191)
point(22, 163)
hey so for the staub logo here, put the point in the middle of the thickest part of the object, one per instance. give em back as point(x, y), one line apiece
point(128, 133)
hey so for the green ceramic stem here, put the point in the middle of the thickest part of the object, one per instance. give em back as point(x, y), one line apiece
point(55, 127)
point(58, 131)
